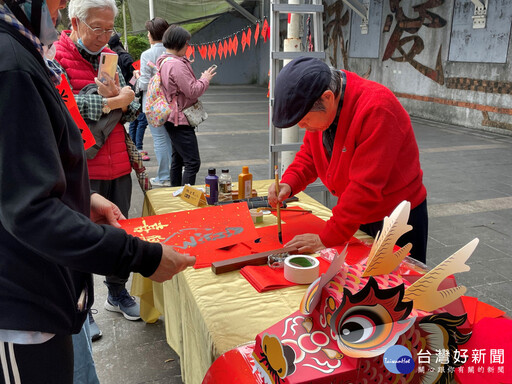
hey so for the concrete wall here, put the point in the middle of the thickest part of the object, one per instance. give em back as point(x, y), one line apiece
point(431, 57)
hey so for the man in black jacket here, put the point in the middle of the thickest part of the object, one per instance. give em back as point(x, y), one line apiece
point(53, 233)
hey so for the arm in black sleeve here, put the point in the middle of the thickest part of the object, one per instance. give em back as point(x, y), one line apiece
point(44, 192)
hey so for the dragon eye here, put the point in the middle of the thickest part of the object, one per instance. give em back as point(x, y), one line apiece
point(356, 329)
point(367, 323)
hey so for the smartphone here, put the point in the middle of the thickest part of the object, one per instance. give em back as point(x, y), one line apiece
point(108, 66)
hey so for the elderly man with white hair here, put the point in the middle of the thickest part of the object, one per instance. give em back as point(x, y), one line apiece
point(78, 52)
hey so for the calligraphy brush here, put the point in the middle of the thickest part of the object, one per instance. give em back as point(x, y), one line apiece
point(278, 207)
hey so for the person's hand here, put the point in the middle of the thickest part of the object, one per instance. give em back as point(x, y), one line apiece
point(104, 211)
point(306, 243)
point(209, 73)
point(284, 193)
point(126, 96)
point(110, 87)
point(172, 263)
point(136, 73)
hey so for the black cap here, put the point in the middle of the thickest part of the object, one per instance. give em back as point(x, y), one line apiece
point(211, 171)
point(298, 86)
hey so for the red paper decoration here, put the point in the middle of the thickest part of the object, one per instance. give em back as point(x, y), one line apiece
point(226, 48)
point(214, 51)
point(244, 40)
point(203, 50)
point(249, 32)
point(70, 102)
point(256, 33)
point(230, 44)
point(220, 50)
point(265, 32)
point(191, 51)
point(235, 45)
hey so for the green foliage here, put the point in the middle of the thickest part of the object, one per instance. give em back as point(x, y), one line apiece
point(137, 44)
point(194, 27)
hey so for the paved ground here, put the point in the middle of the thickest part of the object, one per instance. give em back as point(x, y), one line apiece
point(469, 181)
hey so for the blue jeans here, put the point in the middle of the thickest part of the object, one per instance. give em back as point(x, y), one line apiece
point(84, 368)
point(163, 152)
point(137, 129)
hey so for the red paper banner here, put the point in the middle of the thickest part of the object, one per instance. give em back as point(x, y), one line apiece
point(68, 98)
point(199, 232)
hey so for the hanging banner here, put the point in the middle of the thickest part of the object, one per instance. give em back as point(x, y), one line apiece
point(229, 44)
point(68, 98)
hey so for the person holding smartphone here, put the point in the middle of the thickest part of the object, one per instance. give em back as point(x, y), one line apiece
point(78, 52)
point(179, 80)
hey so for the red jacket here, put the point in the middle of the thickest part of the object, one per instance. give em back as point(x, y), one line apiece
point(375, 161)
point(112, 159)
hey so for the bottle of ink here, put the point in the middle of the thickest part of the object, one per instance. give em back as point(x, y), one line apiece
point(212, 186)
point(245, 184)
point(225, 186)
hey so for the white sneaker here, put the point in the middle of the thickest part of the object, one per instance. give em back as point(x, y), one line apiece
point(154, 183)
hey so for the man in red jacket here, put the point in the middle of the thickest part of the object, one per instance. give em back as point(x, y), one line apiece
point(359, 141)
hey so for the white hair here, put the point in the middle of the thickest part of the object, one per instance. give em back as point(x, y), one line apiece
point(80, 8)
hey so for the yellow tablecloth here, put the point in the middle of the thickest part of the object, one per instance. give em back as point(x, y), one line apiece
point(207, 314)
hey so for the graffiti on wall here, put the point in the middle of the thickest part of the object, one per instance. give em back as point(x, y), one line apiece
point(336, 16)
point(408, 47)
point(405, 45)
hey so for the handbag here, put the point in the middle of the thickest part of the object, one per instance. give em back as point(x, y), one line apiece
point(195, 114)
point(137, 164)
point(157, 107)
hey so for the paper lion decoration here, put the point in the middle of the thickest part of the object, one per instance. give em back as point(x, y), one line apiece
point(352, 316)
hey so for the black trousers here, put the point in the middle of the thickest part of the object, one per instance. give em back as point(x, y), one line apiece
point(46, 363)
point(118, 191)
point(185, 161)
point(418, 236)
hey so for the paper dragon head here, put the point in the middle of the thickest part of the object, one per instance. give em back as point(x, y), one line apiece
point(353, 315)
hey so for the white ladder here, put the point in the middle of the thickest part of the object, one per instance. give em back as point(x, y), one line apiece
point(315, 9)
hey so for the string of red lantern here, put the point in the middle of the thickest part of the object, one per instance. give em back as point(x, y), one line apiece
point(229, 44)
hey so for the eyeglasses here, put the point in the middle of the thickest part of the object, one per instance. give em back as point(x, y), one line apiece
point(101, 31)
